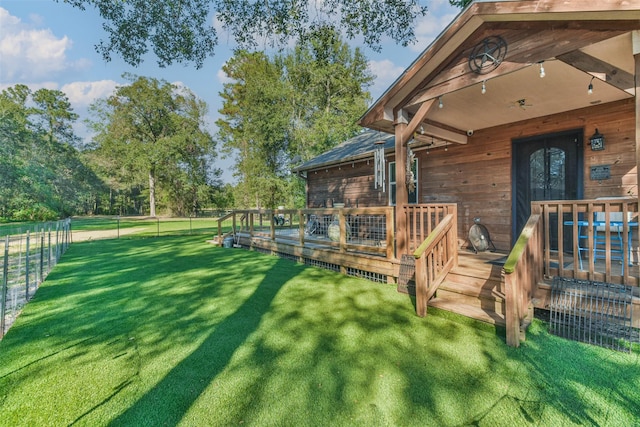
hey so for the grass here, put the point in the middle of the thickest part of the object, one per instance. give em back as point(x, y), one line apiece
point(148, 227)
point(172, 331)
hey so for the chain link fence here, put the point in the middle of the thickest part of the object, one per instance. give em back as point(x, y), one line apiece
point(28, 255)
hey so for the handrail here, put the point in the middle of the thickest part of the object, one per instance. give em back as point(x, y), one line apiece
point(435, 257)
point(520, 276)
point(220, 221)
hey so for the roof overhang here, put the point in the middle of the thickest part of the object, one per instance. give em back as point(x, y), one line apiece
point(576, 42)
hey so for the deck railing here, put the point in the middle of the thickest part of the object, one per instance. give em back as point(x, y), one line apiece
point(591, 239)
point(422, 220)
point(435, 257)
point(521, 274)
point(366, 230)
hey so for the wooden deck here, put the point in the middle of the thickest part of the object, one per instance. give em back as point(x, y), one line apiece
point(475, 285)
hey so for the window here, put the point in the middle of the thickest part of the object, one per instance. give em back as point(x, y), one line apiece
point(413, 195)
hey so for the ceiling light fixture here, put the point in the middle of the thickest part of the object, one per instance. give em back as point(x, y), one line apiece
point(590, 88)
point(542, 73)
point(484, 87)
point(440, 104)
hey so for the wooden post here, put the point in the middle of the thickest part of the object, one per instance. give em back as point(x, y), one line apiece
point(273, 224)
point(636, 57)
point(342, 222)
point(301, 226)
point(402, 194)
point(389, 218)
point(511, 310)
point(421, 286)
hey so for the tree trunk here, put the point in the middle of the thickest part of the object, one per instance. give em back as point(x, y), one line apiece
point(152, 194)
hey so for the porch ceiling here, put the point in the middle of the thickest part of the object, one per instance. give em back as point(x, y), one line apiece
point(522, 95)
point(583, 40)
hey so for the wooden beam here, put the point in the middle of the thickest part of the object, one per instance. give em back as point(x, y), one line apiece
point(402, 194)
point(445, 134)
point(416, 120)
point(587, 63)
point(635, 40)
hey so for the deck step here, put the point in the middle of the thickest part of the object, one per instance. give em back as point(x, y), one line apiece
point(471, 311)
point(486, 297)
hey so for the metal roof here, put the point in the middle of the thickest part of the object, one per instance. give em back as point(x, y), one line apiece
point(359, 147)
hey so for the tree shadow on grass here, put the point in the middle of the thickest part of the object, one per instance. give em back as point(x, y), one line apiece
point(168, 401)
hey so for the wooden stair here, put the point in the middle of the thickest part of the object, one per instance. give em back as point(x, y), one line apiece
point(473, 288)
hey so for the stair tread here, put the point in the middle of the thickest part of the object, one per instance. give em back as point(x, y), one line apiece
point(478, 282)
point(473, 312)
point(488, 290)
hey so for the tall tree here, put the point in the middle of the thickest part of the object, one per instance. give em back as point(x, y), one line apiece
point(329, 86)
point(255, 126)
point(179, 30)
point(43, 174)
point(290, 106)
point(154, 129)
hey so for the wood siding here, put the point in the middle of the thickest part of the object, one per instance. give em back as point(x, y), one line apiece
point(477, 176)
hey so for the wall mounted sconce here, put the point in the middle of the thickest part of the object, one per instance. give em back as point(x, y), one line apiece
point(590, 88)
point(597, 141)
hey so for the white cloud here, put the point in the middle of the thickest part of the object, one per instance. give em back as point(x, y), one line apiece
point(82, 94)
point(386, 72)
point(222, 77)
point(30, 54)
point(428, 27)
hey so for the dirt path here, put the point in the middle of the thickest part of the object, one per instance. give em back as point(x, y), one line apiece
point(83, 236)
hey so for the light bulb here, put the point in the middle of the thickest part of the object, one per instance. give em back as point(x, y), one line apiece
point(484, 88)
point(440, 105)
point(542, 73)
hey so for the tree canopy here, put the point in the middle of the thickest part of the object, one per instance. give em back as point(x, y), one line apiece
point(291, 106)
point(153, 130)
point(42, 173)
point(182, 31)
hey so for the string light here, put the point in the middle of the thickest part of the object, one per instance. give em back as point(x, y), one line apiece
point(542, 73)
point(484, 87)
point(440, 104)
point(590, 88)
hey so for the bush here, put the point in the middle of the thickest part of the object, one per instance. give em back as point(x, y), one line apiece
point(35, 213)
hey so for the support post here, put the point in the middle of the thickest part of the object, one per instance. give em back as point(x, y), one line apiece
point(636, 57)
point(5, 281)
point(402, 194)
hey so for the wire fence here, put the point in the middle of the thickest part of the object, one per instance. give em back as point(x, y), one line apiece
point(115, 227)
point(28, 255)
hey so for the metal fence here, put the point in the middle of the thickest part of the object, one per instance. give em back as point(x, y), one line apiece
point(27, 258)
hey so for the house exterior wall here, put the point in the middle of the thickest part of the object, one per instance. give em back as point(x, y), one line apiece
point(350, 183)
point(477, 176)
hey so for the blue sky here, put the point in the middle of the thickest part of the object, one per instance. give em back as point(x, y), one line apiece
point(48, 44)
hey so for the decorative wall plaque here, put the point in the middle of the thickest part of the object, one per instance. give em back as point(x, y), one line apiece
point(488, 55)
point(598, 173)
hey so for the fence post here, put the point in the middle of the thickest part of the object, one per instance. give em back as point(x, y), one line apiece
point(42, 256)
point(5, 273)
point(26, 267)
point(49, 251)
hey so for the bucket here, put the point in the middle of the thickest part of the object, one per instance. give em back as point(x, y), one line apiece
point(227, 242)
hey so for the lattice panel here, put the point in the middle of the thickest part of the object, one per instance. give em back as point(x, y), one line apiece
point(593, 312)
point(322, 264)
point(368, 275)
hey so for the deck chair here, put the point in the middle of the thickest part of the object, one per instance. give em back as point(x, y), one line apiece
point(615, 235)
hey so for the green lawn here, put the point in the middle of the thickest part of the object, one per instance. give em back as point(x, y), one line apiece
point(149, 226)
point(172, 331)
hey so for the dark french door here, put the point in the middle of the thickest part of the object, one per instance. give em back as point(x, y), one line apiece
point(547, 167)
